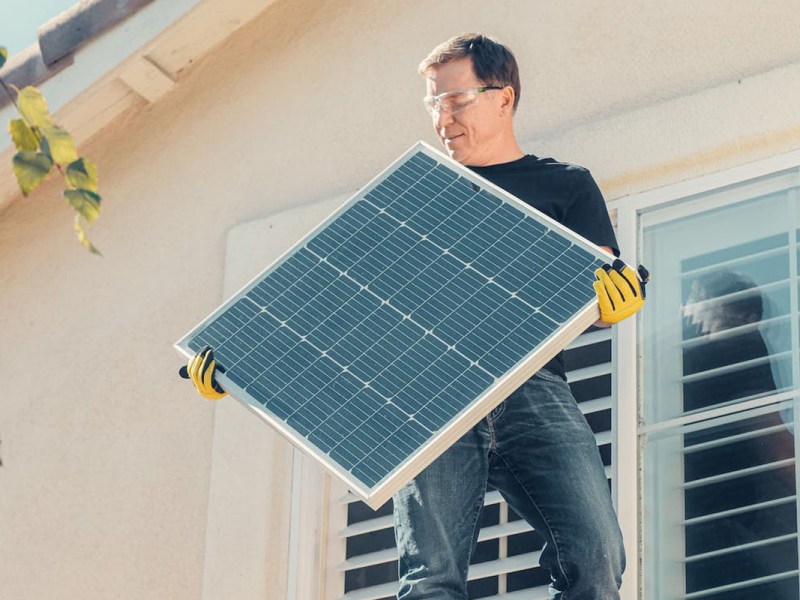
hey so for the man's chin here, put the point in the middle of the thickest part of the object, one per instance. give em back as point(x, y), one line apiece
point(456, 154)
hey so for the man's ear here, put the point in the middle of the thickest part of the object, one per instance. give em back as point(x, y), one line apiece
point(507, 94)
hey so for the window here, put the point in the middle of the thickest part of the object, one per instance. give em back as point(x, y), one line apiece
point(506, 560)
point(720, 375)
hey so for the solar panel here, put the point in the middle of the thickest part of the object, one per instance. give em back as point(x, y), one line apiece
point(398, 323)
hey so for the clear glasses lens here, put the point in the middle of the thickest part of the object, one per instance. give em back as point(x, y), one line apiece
point(450, 102)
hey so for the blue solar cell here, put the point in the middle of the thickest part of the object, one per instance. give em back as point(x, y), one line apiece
point(418, 258)
point(427, 283)
point(374, 318)
point(379, 330)
point(342, 229)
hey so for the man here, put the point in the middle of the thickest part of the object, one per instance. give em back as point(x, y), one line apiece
point(536, 447)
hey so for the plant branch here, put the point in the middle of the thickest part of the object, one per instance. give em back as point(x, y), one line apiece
point(9, 94)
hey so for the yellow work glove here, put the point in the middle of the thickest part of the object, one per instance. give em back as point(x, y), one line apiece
point(620, 292)
point(201, 370)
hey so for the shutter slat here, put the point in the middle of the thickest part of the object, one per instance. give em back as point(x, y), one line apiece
point(741, 584)
point(737, 261)
point(739, 510)
point(603, 437)
point(737, 548)
point(593, 337)
point(520, 562)
point(597, 405)
point(734, 331)
point(367, 560)
point(737, 438)
point(368, 526)
point(740, 473)
point(372, 593)
point(503, 530)
point(537, 593)
point(589, 372)
point(732, 368)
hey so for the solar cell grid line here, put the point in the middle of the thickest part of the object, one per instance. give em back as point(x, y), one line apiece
point(401, 320)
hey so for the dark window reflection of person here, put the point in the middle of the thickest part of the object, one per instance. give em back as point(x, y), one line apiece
point(718, 303)
point(722, 318)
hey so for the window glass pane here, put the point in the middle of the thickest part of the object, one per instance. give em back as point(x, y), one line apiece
point(720, 329)
point(721, 508)
point(721, 321)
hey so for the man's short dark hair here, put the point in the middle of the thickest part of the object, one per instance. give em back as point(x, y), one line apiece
point(493, 63)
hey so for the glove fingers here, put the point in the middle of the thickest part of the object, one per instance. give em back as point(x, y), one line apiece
point(619, 291)
point(193, 366)
point(208, 358)
point(207, 371)
point(212, 369)
point(197, 368)
point(630, 275)
point(201, 370)
point(611, 288)
point(622, 285)
point(208, 376)
point(603, 301)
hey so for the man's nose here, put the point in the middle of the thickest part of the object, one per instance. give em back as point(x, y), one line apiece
point(442, 118)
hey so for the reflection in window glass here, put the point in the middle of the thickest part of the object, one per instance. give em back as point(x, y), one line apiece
point(721, 328)
point(725, 355)
point(722, 308)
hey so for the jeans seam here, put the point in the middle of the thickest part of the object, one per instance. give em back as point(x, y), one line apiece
point(544, 518)
point(492, 437)
point(477, 511)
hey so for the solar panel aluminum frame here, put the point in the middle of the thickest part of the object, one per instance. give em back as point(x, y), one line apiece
point(378, 494)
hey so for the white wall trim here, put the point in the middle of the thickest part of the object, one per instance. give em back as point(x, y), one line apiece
point(707, 183)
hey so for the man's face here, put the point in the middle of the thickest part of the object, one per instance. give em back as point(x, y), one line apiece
point(474, 135)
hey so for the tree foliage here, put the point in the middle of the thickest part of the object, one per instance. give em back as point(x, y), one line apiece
point(41, 146)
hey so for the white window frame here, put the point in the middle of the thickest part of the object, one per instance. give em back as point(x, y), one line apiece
point(630, 431)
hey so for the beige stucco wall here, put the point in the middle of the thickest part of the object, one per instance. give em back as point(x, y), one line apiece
point(106, 453)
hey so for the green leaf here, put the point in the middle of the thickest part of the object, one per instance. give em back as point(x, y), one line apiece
point(85, 202)
point(31, 168)
point(62, 148)
point(23, 136)
point(82, 174)
point(33, 107)
point(3, 56)
point(44, 145)
point(82, 237)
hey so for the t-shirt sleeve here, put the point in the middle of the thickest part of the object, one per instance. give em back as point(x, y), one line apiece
point(588, 215)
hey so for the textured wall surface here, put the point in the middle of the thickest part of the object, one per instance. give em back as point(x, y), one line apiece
point(104, 487)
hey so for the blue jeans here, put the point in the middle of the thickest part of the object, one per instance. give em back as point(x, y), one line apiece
point(537, 449)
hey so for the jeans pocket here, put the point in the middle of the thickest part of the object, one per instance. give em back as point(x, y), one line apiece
point(548, 375)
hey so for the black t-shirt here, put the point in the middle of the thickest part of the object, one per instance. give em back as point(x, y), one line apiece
point(564, 192)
